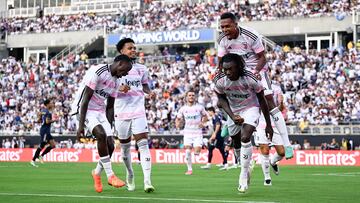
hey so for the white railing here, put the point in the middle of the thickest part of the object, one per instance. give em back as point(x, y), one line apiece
point(95, 8)
point(356, 17)
point(22, 12)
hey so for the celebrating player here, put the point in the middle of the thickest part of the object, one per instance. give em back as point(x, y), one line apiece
point(99, 84)
point(264, 143)
point(240, 96)
point(247, 43)
point(130, 117)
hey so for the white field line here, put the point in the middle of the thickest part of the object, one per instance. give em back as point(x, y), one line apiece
point(128, 198)
point(347, 174)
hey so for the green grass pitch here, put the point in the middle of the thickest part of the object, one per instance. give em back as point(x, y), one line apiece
point(71, 182)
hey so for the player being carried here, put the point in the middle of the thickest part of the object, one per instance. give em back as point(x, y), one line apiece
point(98, 85)
point(247, 43)
point(241, 96)
point(195, 118)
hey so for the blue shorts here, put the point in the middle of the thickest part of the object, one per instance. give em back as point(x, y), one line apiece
point(45, 135)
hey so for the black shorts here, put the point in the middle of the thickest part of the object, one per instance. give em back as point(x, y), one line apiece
point(217, 144)
point(45, 136)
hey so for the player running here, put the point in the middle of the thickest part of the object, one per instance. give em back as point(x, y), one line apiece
point(216, 140)
point(195, 118)
point(45, 132)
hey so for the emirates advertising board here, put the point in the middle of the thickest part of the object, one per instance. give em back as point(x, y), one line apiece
point(177, 156)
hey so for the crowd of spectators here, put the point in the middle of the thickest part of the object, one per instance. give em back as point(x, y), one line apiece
point(319, 88)
point(157, 16)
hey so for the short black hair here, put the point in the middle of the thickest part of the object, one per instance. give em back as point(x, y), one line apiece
point(211, 109)
point(228, 15)
point(122, 57)
point(240, 63)
point(120, 45)
point(47, 101)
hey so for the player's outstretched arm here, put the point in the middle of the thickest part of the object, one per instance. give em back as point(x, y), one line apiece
point(110, 110)
point(88, 93)
point(265, 110)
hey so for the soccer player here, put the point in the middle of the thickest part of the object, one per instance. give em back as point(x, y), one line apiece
point(195, 118)
point(45, 132)
point(130, 117)
point(98, 85)
point(240, 95)
point(216, 140)
point(264, 143)
point(247, 43)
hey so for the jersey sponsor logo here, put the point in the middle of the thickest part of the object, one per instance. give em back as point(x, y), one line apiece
point(239, 96)
point(102, 93)
point(134, 83)
point(191, 117)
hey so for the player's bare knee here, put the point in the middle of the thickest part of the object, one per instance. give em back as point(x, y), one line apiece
point(140, 136)
point(280, 150)
point(124, 141)
point(197, 151)
point(270, 101)
point(264, 149)
point(245, 137)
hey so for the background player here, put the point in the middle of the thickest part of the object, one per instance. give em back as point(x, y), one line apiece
point(99, 84)
point(248, 43)
point(195, 118)
point(45, 132)
point(216, 140)
point(240, 94)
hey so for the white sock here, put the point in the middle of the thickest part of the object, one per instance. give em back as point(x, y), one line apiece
point(126, 157)
point(280, 125)
point(106, 163)
point(265, 165)
point(237, 154)
point(275, 158)
point(99, 168)
point(246, 154)
point(145, 159)
point(188, 159)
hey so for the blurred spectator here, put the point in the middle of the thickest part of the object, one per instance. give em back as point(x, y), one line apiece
point(333, 145)
point(296, 145)
point(304, 125)
point(14, 143)
point(306, 145)
point(173, 144)
point(22, 142)
point(163, 144)
point(7, 144)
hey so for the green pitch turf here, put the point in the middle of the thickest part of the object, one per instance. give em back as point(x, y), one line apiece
point(71, 182)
